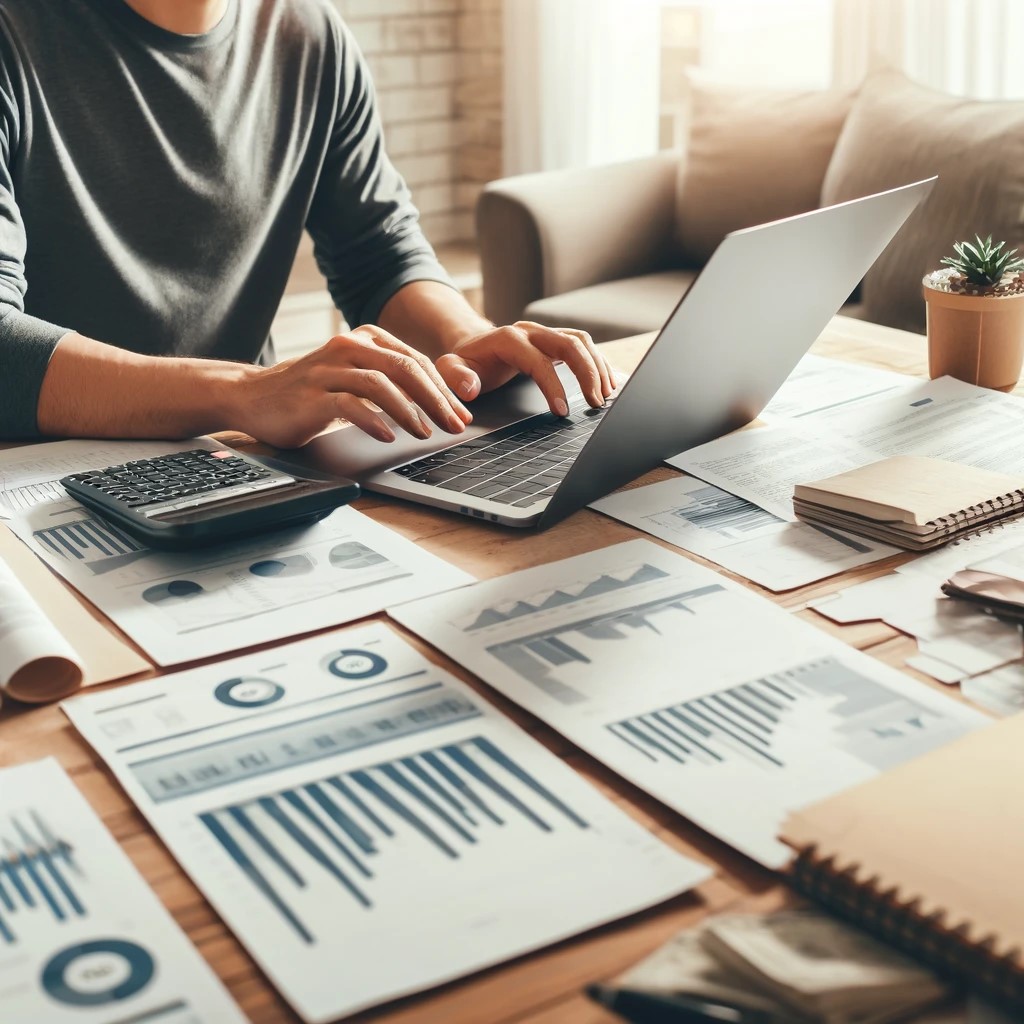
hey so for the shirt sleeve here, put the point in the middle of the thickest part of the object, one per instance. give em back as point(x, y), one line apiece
point(26, 343)
point(366, 233)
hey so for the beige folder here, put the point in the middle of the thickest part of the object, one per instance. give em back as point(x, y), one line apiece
point(104, 656)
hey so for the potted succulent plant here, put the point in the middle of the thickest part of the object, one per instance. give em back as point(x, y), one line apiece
point(976, 315)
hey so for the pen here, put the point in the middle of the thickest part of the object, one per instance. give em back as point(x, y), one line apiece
point(666, 1008)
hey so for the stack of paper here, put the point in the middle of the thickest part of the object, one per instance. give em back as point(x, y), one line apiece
point(956, 641)
point(799, 966)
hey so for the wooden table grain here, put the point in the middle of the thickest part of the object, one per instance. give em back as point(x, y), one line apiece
point(545, 987)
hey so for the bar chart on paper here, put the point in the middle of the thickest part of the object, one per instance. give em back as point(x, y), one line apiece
point(92, 542)
point(866, 720)
point(81, 937)
point(17, 499)
point(38, 875)
point(366, 823)
point(452, 801)
point(720, 704)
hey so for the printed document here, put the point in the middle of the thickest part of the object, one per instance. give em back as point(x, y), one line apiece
point(763, 464)
point(717, 702)
point(738, 535)
point(83, 940)
point(366, 824)
point(31, 475)
point(181, 606)
point(942, 419)
point(820, 385)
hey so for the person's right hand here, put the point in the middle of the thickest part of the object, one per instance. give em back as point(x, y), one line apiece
point(288, 404)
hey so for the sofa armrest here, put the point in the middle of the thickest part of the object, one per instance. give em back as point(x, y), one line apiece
point(544, 234)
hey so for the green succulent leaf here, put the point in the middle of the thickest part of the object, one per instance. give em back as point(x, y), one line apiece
point(983, 263)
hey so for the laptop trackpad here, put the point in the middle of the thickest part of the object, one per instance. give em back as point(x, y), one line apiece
point(349, 452)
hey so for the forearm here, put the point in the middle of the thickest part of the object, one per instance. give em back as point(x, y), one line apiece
point(96, 390)
point(431, 317)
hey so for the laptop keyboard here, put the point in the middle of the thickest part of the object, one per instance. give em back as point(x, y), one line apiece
point(518, 465)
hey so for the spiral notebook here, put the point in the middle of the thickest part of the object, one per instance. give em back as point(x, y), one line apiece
point(910, 501)
point(927, 856)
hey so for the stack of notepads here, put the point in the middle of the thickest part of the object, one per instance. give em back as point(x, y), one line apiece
point(911, 502)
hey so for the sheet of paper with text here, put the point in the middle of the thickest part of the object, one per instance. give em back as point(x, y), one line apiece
point(182, 606)
point(82, 937)
point(368, 825)
point(719, 703)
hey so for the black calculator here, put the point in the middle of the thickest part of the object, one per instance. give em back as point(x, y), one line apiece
point(188, 499)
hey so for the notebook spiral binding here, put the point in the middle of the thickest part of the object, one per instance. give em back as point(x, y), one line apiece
point(925, 937)
point(983, 510)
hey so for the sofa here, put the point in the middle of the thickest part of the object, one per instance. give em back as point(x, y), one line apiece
point(612, 249)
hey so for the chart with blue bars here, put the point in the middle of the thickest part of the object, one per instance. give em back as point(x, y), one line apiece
point(39, 875)
point(547, 657)
point(91, 542)
point(874, 724)
point(333, 835)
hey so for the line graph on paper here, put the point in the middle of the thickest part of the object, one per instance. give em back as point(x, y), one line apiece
point(343, 841)
point(39, 875)
point(556, 658)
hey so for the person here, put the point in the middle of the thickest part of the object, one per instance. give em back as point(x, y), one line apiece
point(159, 161)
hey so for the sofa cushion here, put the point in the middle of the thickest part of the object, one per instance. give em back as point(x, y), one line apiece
point(753, 156)
point(898, 132)
point(616, 309)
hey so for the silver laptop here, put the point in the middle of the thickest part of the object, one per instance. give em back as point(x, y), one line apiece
point(755, 309)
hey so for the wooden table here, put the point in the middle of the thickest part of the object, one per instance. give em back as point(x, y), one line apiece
point(544, 988)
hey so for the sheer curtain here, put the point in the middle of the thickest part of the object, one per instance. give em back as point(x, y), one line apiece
point(581, 82)
point(969, 47)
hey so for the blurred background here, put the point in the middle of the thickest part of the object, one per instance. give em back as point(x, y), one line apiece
point(474, 90)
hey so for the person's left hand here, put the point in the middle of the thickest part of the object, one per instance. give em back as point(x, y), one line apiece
point(492, 358)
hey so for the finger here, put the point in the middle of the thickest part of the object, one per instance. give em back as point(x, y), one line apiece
point(608, 381)
point(572, 351)
point(459, 374)
point(399, 365)
point(518, 351)
point(376, 386)
point(393, 344)
point(360, 415)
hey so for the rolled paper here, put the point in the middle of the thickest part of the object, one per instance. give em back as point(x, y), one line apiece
point(37, 663)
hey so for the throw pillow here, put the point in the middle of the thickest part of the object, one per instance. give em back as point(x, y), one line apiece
point(898, 132)
point(753, 156)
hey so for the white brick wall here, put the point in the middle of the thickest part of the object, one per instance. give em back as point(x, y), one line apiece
point(437, 69)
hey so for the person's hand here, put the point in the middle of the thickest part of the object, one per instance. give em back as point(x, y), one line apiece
point(490, 359)
point(288, 404)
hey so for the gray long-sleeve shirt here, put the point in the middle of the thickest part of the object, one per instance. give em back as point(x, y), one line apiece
point(154, 187)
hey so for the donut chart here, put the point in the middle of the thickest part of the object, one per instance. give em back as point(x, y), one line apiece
point(248, 692)
point(354, 664)
point(98, 973)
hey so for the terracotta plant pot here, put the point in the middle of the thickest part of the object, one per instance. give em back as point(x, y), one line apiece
point(975, 338)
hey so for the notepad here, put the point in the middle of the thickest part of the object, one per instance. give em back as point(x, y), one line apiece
point(928, 857)
point(911, 501)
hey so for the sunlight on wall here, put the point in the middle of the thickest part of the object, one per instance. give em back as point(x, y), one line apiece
point(782, 43)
